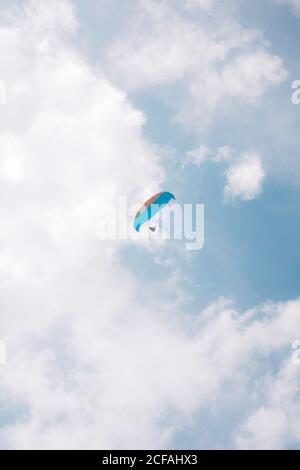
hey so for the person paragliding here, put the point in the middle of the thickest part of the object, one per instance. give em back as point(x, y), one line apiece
point(150, 208)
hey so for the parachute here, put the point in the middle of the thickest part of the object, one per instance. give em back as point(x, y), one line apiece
point(150, 208)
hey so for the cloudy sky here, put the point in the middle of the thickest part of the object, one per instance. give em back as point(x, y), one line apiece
point(121, 344)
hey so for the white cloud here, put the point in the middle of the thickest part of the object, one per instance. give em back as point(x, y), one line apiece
point(202, 4)
point(69, 142)
point(94, 359)
point(205, 58)
point(204, 153)
point(251, 74)
point(245, 178)
point(274, 424)
point(245, 173)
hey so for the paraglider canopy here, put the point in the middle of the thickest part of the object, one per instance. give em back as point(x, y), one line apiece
point(150, 208)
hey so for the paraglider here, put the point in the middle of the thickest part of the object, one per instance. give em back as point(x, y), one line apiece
point(150, 208)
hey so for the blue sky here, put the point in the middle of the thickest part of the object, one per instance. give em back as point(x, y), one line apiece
point(122, 345)
point(251, 252)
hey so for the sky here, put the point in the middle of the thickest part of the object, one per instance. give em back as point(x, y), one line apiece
point(130, 345)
